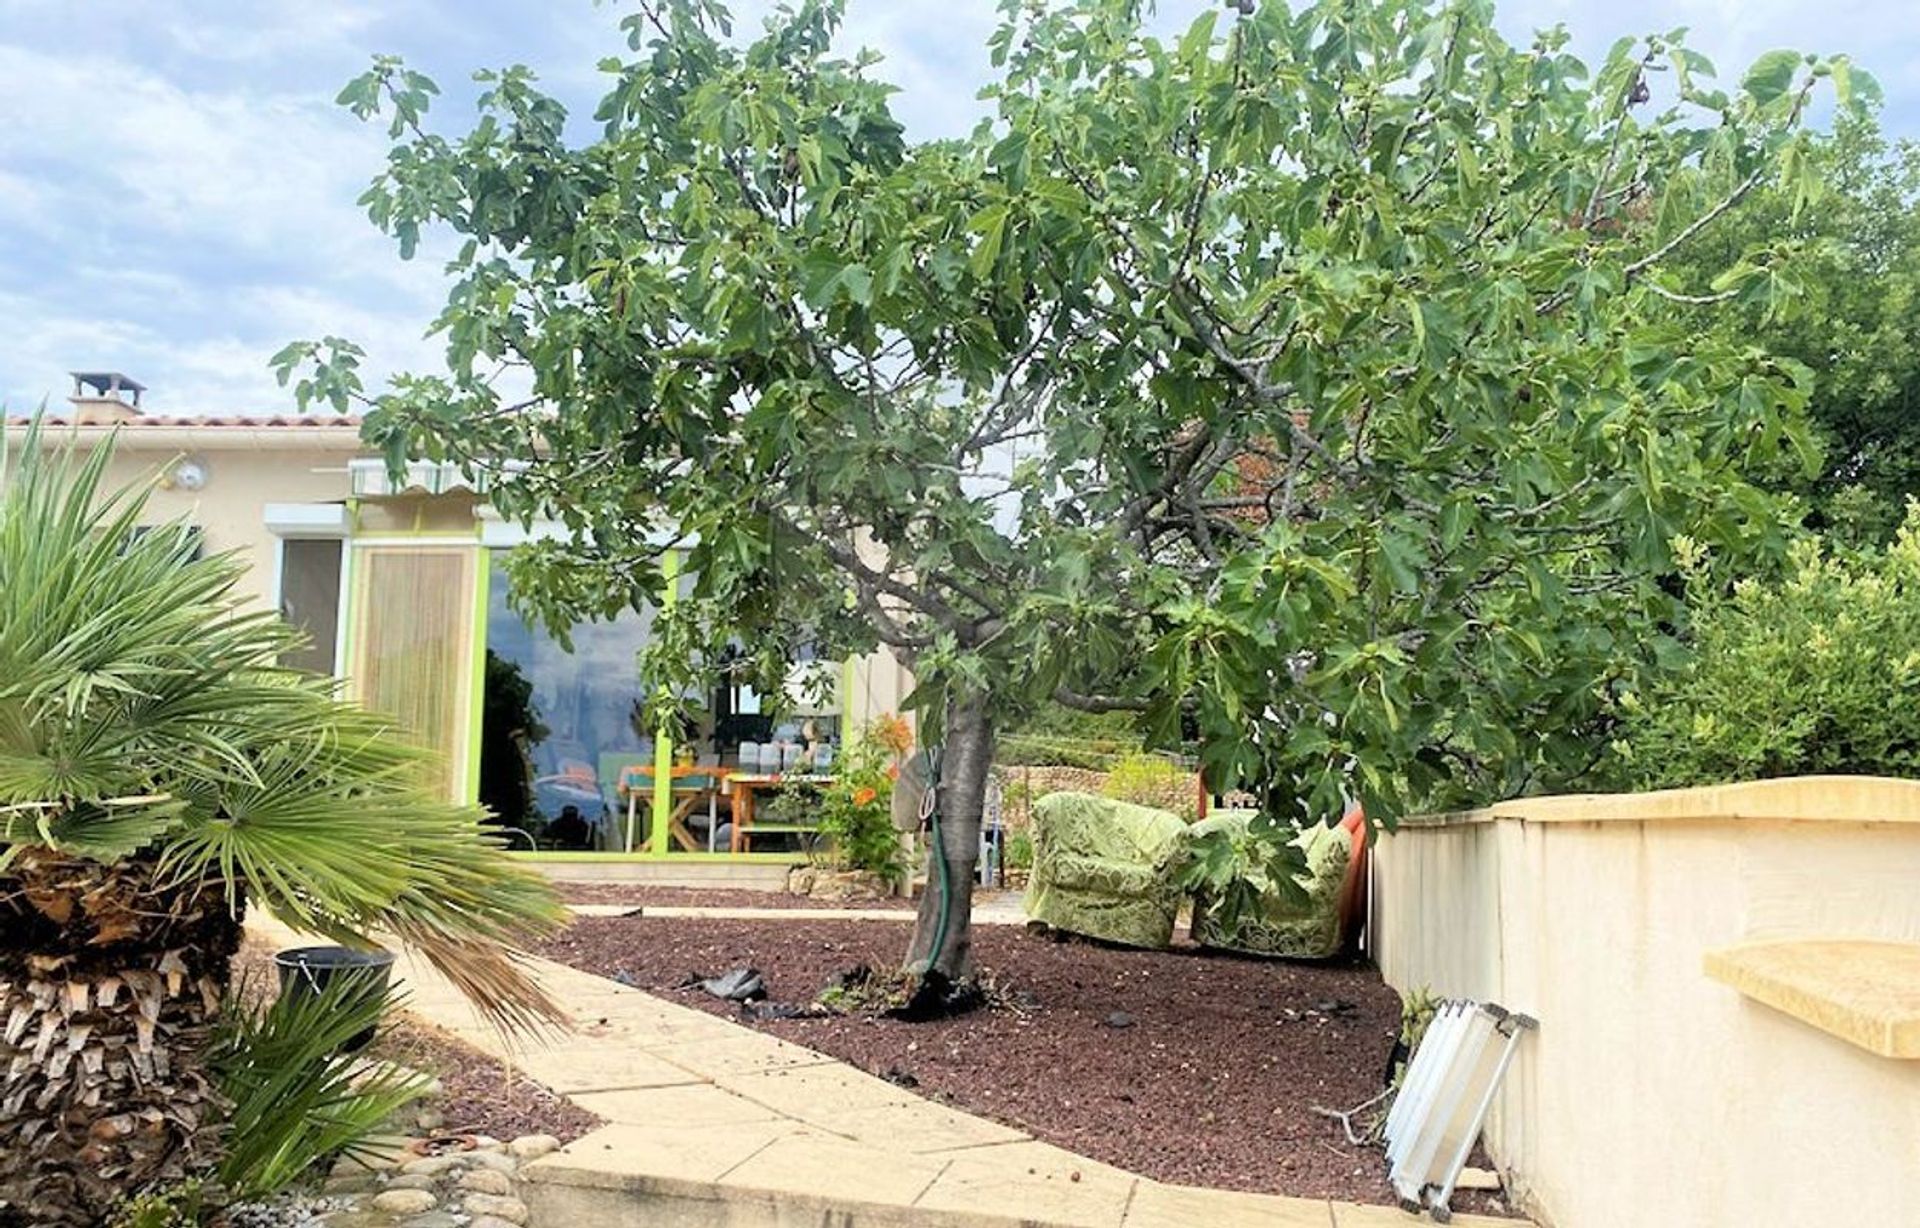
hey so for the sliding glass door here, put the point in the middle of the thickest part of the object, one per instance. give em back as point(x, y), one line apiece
point(562, 726)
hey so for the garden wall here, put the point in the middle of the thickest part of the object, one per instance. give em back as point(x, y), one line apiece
point(1145, 780)
point(1654, 1094)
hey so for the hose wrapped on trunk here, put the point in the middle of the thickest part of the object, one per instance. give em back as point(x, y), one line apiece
point(930, 819)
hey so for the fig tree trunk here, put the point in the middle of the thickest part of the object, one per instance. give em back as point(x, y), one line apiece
point(110, 980)
point(943, 930)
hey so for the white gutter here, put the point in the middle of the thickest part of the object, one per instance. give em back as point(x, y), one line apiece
point(148, 438)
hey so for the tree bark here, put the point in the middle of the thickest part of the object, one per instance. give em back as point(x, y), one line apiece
point(110, 981)
point(943, 930)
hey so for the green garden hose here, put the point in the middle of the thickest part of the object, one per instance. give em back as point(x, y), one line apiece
point(930, 814)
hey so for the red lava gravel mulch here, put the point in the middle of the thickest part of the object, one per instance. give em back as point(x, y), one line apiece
point(707, 897)
point(1188, 1068)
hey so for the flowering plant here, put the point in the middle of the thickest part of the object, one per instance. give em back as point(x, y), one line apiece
point(893, 733)
point(856, 809)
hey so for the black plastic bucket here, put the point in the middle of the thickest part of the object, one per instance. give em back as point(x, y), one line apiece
point(310, 970)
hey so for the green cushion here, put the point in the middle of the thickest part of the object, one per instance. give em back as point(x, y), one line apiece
point(1102, 874)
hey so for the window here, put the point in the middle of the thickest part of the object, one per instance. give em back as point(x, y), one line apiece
point(310, 599)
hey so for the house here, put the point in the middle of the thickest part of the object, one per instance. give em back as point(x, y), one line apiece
point(401, 590)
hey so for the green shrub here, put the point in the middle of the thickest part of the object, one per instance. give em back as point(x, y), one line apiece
point(1149, 780)
point(795, 805)
point(1070, 724)
point(178, 1206)
point(1816, 673)
point(1417, 1010)
point(1056, 736)
point(1020, 851)
point(1050, 750)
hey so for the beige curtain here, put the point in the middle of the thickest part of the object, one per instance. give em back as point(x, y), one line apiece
point(412, 643)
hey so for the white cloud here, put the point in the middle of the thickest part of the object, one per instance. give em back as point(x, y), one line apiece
point(25, 202)
point(252, 168)
point(1881, 34)
point(197, 229)
point(177, 188)
point(40, 349)
point(297, 28)
point(393, 334)
point(937, 54)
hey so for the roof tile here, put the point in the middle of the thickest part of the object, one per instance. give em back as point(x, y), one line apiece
point(237, 421)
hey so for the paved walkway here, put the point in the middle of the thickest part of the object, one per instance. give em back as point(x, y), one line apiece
point(703, 1112)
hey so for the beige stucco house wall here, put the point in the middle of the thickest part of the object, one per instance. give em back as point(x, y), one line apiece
point(250, 484)
point(246, 463)
point(1656, 1093)
point(880, 684)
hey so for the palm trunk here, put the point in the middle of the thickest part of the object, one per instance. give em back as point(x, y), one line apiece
point(943, 931)
point(110, 979)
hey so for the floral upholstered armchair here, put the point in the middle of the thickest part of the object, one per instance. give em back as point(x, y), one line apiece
point(1105, 869)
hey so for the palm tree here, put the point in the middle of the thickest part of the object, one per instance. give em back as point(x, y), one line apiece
point(159, 771)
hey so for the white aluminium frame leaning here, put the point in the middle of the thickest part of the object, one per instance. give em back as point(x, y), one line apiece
point(1449, 1086)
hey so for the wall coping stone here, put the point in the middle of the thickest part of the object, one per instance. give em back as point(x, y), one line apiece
point(1799, 799)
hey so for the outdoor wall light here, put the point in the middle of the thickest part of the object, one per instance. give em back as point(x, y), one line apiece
point(187, 473)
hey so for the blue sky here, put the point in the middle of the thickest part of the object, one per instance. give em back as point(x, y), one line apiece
point(177, 188)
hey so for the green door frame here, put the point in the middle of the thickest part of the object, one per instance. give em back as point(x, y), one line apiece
point(659, 840)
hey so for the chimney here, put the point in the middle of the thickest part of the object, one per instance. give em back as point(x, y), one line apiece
point(104, 398)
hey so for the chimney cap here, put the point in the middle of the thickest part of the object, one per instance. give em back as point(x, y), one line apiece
point(107, 384)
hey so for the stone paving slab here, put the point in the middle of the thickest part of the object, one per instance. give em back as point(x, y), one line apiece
point(1864, 992)
point(729, 1056)
point(918, 1128)
point(1043, 1182)
point(711, 1124)
point(811, 1093)
point(690, 1104)
point(1178, 1206)
point(818, 1164)
point(1036, 1157)
point(583, 1064)
point(617, 1153)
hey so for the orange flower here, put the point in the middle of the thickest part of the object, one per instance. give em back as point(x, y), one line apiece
point(893, 771)
point(894, 733)
point(864, 795)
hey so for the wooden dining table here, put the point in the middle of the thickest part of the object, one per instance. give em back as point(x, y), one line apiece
point(636, 781)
